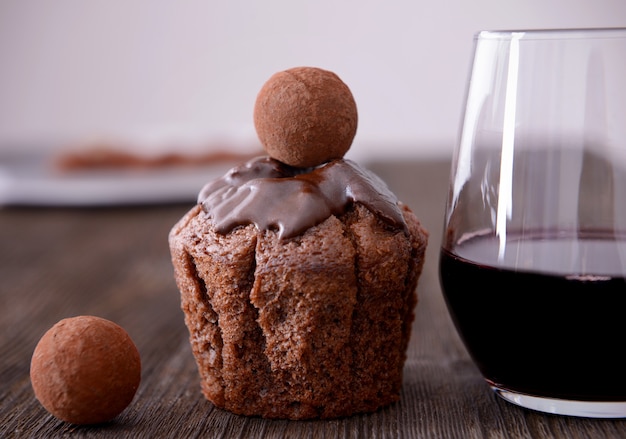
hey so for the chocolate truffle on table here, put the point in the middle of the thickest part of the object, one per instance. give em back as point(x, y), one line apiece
point(305, 116)
point(298, 272)
point(85, 370)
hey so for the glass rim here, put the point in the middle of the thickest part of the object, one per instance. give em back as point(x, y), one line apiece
point(552, 34)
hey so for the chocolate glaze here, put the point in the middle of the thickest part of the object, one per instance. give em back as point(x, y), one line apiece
point(275, 196)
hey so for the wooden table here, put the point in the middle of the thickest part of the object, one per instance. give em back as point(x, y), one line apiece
point(114, 263)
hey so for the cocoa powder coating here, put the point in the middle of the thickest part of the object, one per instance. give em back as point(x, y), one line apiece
point(305, 116)
point(85, 370)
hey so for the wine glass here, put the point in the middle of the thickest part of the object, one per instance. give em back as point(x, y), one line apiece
point(533, 258)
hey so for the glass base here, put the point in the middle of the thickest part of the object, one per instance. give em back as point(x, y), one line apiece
point(584, 409)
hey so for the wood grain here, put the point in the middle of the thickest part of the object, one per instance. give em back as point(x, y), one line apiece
point(114, 263)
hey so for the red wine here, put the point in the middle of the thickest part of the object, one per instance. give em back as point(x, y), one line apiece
point(546, 316)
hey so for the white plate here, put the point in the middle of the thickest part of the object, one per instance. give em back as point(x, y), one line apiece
point(31, 179)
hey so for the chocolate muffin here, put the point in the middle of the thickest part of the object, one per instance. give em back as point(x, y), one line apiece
point(298, 286)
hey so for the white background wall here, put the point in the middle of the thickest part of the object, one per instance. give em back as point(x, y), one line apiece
point(72, 69)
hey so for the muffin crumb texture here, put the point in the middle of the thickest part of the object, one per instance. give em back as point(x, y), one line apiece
point(315, 326)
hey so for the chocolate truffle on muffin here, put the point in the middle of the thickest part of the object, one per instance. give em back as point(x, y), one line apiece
point(298, 280)
point(305, 116)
